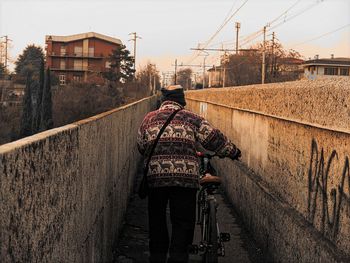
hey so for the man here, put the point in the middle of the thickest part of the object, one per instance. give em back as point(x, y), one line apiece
point(173, 173)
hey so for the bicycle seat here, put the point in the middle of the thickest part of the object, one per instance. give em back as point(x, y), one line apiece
point(209, 179)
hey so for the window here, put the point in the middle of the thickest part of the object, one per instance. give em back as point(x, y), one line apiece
point(108, 64)
point(62, 79)
point(78, 51)
point(77, 78)
point(63, 50)
point(91, 51)
point(62, 64)
point(312, 69)
point(344, 71)
point(331, 71)
point(78, 64)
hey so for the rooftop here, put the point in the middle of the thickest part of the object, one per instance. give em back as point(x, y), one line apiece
point(328, 61)
point(83, 36)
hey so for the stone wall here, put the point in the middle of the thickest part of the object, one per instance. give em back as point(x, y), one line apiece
point(292, 187)
point(64, 192)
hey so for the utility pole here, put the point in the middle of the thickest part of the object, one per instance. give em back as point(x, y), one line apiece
point(154, 84)
point(6, 49)
point(175, 72)
point(1, 49)
point(224, 77)
point(6, 40)
point(205, 56)
point(163, 79)
point(224, 70)
point(150, 84)
point(263, 59)
point(204, 71)
point(135, 36)
point(238, 26)
point(272, 54)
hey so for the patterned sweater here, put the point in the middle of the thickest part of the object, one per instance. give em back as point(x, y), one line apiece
point(174, 161)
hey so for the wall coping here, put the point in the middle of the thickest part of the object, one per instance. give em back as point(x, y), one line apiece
point(7, 147)
point(310, 124)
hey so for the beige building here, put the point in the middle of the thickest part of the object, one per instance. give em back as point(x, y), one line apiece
point(326, 67)
point(215, 76)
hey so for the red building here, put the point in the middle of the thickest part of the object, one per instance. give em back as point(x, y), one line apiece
point(80, 57)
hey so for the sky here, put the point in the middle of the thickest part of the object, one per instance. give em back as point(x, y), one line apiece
point(169, 29)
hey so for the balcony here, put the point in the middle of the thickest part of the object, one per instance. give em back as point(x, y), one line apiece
point(76, 55)
point(76, 69)
point(80, 69)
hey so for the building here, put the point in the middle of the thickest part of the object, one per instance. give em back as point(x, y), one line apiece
point(215, 75)
point(290, 65)
point(285, 69)
point(326, 67)
point(80, 57)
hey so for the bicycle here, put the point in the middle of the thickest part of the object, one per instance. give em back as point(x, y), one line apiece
point(212, 240)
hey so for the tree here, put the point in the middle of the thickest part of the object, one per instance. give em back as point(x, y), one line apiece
point(148, 78)
point(184, 78)
point(243, 69)
point(29, 62)
point(246, 67)
point(3, 71)
point(84, 100)
point(38, 98)
point(27, 113)
point(46, 121)
point(121, 66)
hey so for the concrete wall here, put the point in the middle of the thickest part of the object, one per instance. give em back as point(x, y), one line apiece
point(63, 192)
point(292, 187)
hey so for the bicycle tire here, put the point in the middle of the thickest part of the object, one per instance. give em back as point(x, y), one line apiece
point(211, 255)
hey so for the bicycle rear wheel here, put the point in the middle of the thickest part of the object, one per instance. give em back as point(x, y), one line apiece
point(211, 255)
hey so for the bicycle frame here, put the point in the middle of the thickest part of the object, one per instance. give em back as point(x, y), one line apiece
point(212, 239)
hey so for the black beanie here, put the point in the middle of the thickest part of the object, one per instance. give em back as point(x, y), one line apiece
point(174, 93)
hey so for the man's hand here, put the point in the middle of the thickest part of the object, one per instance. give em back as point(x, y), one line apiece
point(237, 155)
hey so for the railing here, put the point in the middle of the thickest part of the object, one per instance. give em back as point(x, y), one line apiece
point(70, 69)
point(77, 55)
point(89, 68)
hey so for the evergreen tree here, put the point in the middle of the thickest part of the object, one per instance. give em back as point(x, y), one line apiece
point(39, 97)
point(3, 71)
point(46, 121)
point(121, 66)
point(27, 113)
point(29, 62)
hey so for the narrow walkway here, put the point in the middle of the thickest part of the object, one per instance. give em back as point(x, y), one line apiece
point(133, 242)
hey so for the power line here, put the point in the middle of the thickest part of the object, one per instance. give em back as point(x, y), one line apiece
point(254, 35)
point(192, 65)
point(284, 13)
point(249, 38)
point(297, 14)
point(224, 24)
point(218, 30)
point(286, 19)
point(325, 34)
point(229, 12)
point(224, 49)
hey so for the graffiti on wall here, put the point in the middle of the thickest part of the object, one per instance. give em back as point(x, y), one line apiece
point(325, 203)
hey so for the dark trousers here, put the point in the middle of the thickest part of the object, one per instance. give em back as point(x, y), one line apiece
point(182, 203)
